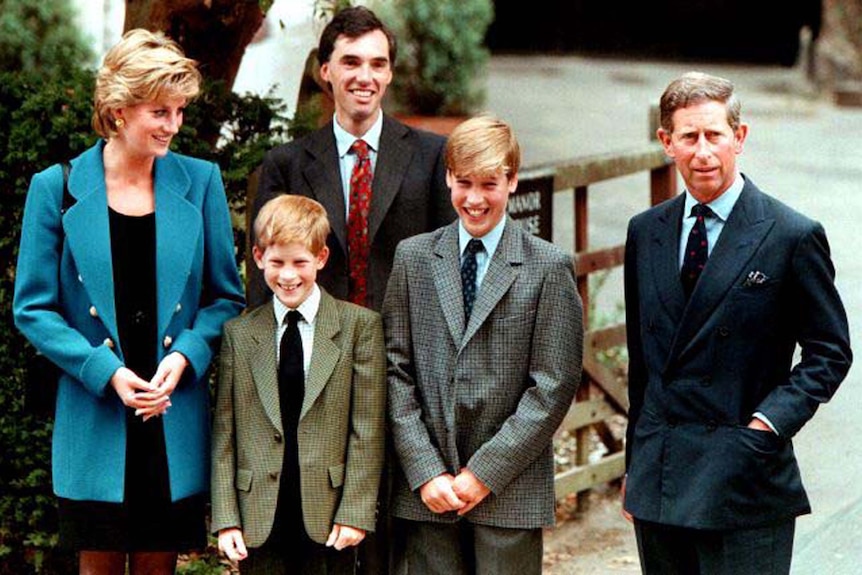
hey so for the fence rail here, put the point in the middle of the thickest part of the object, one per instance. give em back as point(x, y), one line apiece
point(602, 394)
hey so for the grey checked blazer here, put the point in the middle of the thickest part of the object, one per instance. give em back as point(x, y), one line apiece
point(490, 394)
point(341, 427)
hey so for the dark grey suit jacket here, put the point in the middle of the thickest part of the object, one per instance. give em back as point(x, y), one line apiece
point(698, 372)
point(488, 394)
point(409, 196)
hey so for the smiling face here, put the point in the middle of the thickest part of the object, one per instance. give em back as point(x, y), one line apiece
point(359, 71)
point(290, 270)
point(480, 201)
point(704, 148)
point(150, 127)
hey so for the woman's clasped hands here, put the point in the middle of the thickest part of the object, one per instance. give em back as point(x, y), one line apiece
point(150, 398)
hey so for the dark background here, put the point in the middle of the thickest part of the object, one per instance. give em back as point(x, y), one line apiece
point(762, 31)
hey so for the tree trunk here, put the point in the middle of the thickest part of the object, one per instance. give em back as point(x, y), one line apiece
point(213, 32)
point(840, 44)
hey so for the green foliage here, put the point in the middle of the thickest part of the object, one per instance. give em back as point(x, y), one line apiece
point(206, 563)
point(326, 9)
point(441, 54)
point(47, 120)
point(39, 36)
point(234, 132)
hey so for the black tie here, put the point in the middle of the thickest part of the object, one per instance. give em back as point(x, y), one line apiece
point(290, 367)
point(468, 275)
point(696, 249)
point(291, 392)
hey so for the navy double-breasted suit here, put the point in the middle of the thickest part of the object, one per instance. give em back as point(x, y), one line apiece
point(700, 369)
point(64, 304)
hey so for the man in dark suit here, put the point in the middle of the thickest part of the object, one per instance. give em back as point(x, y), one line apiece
point(712, 480)
point(408, 192)
point(408, 188)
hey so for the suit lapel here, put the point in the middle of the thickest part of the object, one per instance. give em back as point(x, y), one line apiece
point(393, 159)
point(264, 365)
point(502, 271)
point(326, 352)
point(178, 229)
point(664, 258)
point(745, 230)
point(88, 234)
point(323, 177)
point(446, 268)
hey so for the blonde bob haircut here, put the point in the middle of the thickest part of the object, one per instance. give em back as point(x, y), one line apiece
point(142, 67)
point(288, 219)
point(483, 146)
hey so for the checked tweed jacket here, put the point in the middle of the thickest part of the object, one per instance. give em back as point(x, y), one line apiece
point(341, 427)
point(487, 395)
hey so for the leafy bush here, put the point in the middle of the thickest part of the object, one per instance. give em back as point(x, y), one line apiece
point(47, 120)
point(440, 54)
point(40, 36)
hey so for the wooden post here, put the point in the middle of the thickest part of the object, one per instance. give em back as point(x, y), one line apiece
point(662, 184)
point(582, 435)
point(662, 181)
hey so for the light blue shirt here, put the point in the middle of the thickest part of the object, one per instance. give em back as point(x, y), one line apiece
point(308, 309)
point(720, 206)
point(346, 160)
point(490, 241)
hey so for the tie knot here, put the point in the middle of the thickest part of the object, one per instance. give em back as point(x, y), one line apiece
point(701, 210)
point(475, 246)
point(293, 318)
point(360, 148)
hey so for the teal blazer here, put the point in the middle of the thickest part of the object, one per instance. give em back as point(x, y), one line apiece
point(64, 304)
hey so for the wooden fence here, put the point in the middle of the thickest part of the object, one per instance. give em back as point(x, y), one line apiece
point(602, 393)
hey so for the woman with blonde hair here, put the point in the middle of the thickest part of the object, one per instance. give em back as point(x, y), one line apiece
point(125, 288)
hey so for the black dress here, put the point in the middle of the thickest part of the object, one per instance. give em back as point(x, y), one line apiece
point(146, 520)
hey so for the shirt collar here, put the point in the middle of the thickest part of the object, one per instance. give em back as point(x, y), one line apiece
point(344, 139)
point(490, 240)
point(308, 308)
point(723, 204)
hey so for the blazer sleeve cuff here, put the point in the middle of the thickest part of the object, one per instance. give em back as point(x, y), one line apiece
point(422, 472)
point(97, 371)
point(195, 349)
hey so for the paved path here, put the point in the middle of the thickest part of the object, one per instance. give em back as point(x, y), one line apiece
point(801, 148)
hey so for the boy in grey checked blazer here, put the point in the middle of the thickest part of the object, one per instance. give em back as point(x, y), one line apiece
point(474, 400)
point(298, 497)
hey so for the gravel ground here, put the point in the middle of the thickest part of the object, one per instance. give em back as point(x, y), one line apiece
point(596, 542)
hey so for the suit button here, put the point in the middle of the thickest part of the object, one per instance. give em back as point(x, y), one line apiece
point(711, 426)
point(168, 341)
point(723, 331)
point(277, 437)
point(179, 308)
point(671, 422)
point(80, 279)
point(706, 381)
point(93, 311)
point(273, 475)
point(109, 343)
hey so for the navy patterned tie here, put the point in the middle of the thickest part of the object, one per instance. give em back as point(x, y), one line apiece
point(696, 249)
point(468, 275)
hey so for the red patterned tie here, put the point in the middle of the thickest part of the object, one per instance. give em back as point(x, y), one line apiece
point(357, 223)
